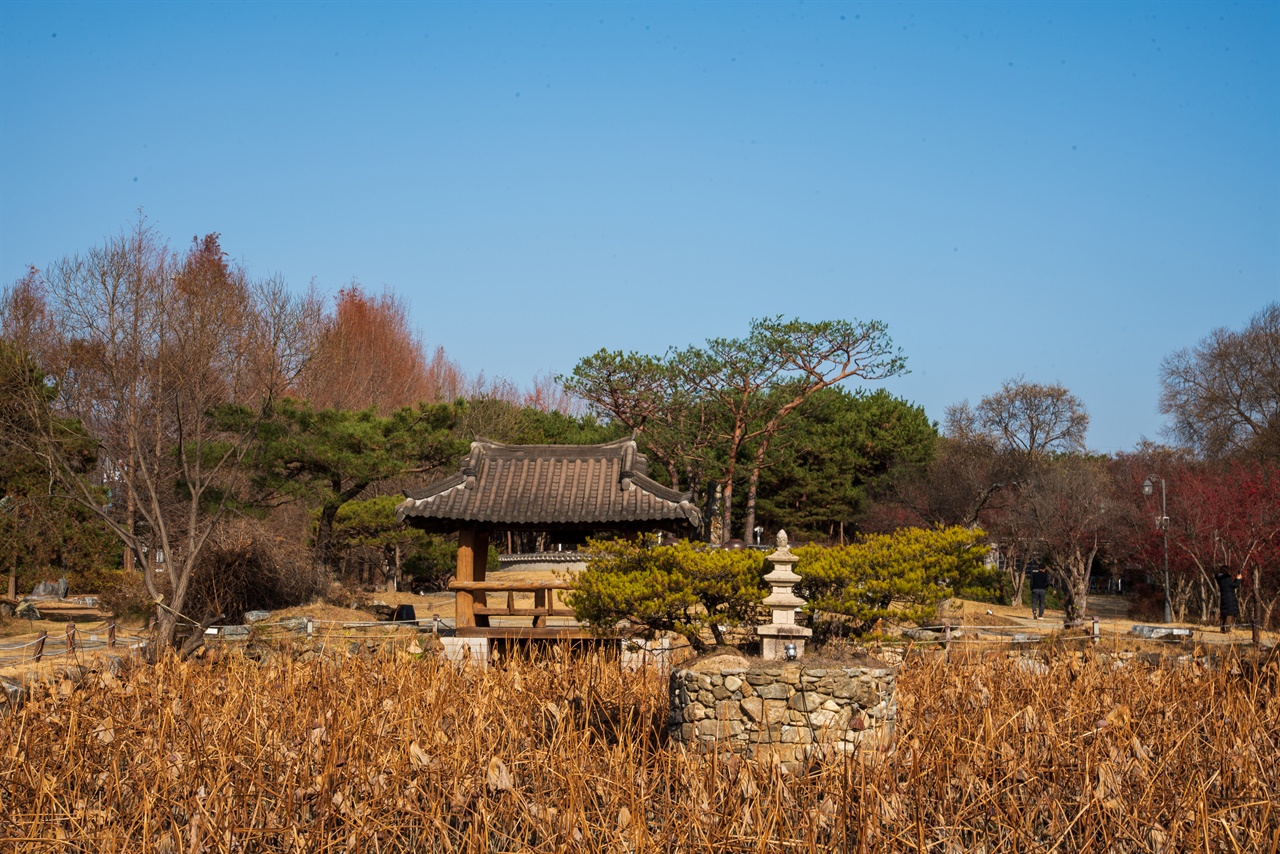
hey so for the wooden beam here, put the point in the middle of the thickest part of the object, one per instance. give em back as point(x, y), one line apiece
point(540, 605)
point(504, 586)
point(473, 555)
point(543, 613)
point(522, 632)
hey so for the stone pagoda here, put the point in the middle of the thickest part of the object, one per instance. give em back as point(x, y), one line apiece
point(782, 639)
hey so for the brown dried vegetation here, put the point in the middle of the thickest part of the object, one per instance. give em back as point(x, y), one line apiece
point(395, 753)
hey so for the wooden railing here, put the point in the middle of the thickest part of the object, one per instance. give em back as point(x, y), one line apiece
point(544, 601)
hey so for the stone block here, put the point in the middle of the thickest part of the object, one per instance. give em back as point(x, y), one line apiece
point(765, 735)
point(695, 712)
point(732, 683)
point(706, 698)
point(712, 729)
point(822, 719)
point(774, 691)
point(728, 710)
point(796, 735)
point(805, 701)
point(720, 692)
point(775, 711)
point(759, 678)
point(845, 689)
point(754, 708)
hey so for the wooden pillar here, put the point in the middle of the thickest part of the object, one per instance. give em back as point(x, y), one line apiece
point(473, 556)
point(540, 601)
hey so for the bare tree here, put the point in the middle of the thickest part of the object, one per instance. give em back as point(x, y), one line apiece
point(1074, 507)
point(145, 347)
point(1027, 418)
point(1223, 395)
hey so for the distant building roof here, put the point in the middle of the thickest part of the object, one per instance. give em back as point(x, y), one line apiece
point(549, 487)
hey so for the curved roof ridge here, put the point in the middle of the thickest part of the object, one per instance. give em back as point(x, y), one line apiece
point(602, 485)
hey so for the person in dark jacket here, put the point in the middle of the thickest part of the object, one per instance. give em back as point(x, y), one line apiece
point(1039, 587)
point(1228, 605)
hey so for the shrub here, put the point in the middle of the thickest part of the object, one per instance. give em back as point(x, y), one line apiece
point(686, 588)
point(245, 567)
point(905, 575)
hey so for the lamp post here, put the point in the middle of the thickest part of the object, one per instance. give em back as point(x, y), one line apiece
point(1148, 489)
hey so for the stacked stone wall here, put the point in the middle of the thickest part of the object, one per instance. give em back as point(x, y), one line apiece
point(789, 712)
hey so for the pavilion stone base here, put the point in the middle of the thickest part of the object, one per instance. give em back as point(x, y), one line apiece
point(461, 649)
point(640, 654)
point(788, 713)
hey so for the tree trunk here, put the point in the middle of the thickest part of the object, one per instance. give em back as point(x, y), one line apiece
point(1075, 584)
point(324, 532)
point(749, 524)
point(1017, 578)
point(726, 510)
point(166, 629)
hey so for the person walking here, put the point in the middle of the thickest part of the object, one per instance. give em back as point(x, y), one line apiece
point(1228, 604)
point(1039, 587)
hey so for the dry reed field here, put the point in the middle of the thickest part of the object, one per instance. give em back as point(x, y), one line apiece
point(396, 753)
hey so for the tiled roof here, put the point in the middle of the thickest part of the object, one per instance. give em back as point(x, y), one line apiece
point(536, 486)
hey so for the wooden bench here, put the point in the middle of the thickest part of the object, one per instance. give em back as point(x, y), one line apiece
point(544, 601)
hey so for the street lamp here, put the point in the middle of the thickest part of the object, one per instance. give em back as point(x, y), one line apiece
point(1148, 489)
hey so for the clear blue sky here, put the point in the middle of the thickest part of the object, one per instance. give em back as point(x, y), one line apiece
point(1067, 191)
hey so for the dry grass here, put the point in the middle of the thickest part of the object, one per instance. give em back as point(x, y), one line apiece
point(394, 753)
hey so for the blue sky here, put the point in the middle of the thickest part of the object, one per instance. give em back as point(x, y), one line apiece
point(1067, 191)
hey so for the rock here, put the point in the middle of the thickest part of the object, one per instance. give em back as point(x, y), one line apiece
point(922, 634)
point(754, 708)
point(1157, 632)
point(293, 624)
point(14, 693)
point(234, 632)
point(256, 616)
point(27, 611)
point(728, 710)
point(805, 701)
point(6, 610)
point(774, 691)
point(732, 683)
point(719, 729)
point(51, 589)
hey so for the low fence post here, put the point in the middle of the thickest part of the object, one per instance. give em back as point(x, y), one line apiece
point(1096, 633)
point(311, 626)
point(111, 636)
point(71, 638)
point(40, 646)
point(946, 635)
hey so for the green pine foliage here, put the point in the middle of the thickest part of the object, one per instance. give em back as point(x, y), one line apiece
point(827, 463)
point(903, 576)
point(690, 589)
point(43, 537)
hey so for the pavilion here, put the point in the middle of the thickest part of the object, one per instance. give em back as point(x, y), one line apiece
point(569, 491)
